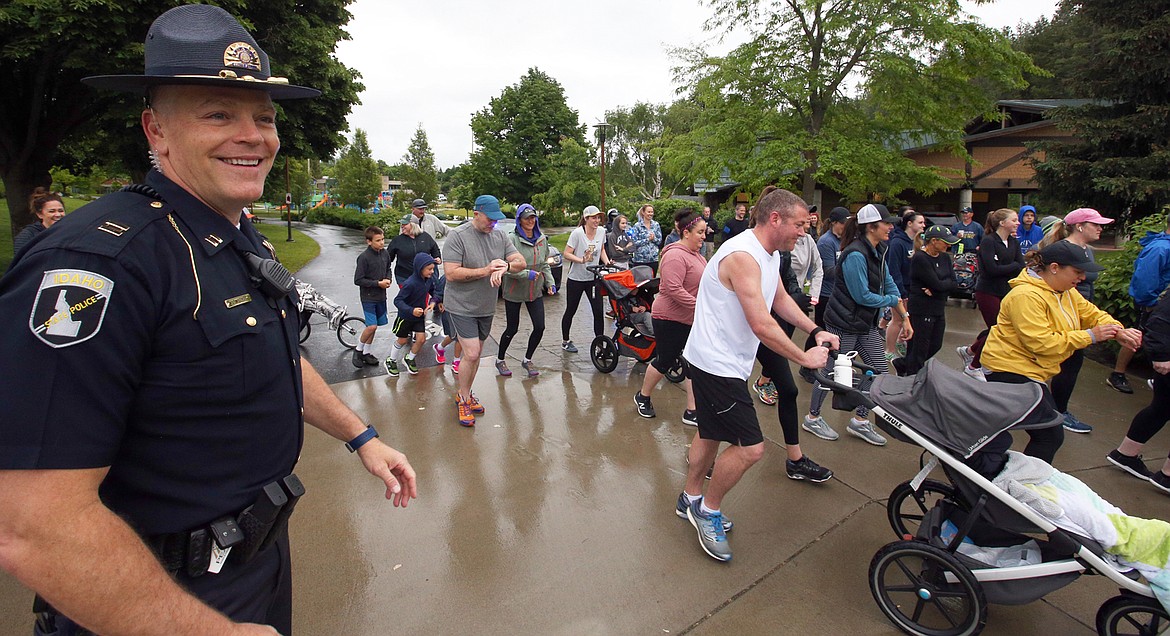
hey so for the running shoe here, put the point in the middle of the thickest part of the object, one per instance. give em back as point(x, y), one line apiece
point(819, 427)
point(370, 359)
point(476, 407)
point(807, 375)
point(1130, 464)
point(864, 429)
point(466, 417)
point(966, 355)
point(569, 346)
point(900, 348)
point(1161, 481)
point(530, 368)
point(502, 368)
point(391, 367)
point(690, 417)
point(1118, 382)
point(767, 392)
point(1073, 425)
point(440, 354)
point(357, 359)
point(805, 468)
point(645, 406)
point(455, 367)
point(680, 509)
point(712, 537)
point(411, 366)
point(974, 373)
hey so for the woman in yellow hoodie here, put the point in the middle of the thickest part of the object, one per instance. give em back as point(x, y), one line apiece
point(1042, 321)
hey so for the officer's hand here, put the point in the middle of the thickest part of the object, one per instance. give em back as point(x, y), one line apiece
point(252, 629)
point(391, 467)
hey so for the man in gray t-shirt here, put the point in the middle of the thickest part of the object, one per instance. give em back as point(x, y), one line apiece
point(475, 259)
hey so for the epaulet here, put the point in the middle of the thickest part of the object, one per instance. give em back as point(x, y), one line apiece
point(106, 226)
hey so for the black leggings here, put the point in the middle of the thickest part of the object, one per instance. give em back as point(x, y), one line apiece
point(1043, 442)
point(927, 340)
point(573, 291)
point(535, 313)
point(775, 366)
point(1151, 419)
point(1065, 381)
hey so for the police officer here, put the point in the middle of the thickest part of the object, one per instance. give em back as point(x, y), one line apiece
point(150, 373)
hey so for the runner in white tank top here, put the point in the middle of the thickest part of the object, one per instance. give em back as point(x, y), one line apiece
point(739, 287)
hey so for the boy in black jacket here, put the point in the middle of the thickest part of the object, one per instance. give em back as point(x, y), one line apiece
point(372, 276)
point(411, 303)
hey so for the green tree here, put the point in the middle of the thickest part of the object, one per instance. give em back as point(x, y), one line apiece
point(517, 133)
point(299, 183)
point(637, 143)
point(1119, 159)
point(830, 92)
point(569, 180)
point(358, 181)
point(419, 160)
point(46, 114)
point(1057, 47)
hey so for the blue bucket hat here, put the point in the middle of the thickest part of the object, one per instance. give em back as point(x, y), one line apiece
point(202, 45)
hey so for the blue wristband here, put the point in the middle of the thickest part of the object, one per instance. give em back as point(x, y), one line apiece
point(361, 439)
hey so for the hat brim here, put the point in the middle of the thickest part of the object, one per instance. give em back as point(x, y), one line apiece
point(140, 83)
point(949, 239)
point(1091, 266)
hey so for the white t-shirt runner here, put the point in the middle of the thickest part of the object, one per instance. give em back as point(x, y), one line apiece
point(721, 341)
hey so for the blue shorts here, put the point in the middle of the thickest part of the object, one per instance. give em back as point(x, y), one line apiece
point(375, 311)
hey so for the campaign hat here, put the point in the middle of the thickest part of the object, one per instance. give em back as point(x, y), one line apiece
point(202, 45)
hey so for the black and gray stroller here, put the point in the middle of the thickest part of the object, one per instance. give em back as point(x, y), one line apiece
point(926, 582)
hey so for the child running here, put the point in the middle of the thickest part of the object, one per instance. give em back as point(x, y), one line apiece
point(412, 306)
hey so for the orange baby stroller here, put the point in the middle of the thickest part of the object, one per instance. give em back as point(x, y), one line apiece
point(625, 289)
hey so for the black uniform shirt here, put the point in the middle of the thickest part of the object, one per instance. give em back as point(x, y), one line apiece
point(134, 338)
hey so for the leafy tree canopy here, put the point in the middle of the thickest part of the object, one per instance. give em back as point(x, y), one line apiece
point(830, 92)
point(419, 175)
point(1120, 159)
point(637, 143)
point(569, 180)
point(358, 181)
point(47, 46)
point(517, 133)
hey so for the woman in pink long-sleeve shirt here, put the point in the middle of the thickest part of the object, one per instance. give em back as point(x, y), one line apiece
point(680, 268)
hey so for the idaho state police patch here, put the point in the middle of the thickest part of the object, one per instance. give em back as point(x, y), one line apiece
point(70, 306)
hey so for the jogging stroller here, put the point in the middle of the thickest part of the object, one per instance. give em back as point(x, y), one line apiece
point(626, 288)
point(966, 268)
point(925, 582)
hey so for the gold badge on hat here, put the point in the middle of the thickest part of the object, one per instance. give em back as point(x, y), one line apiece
point(241, 55)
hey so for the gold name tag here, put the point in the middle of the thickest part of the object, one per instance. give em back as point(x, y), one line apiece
point(238, 300)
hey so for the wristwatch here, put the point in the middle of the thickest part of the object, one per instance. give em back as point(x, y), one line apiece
point(365, 436)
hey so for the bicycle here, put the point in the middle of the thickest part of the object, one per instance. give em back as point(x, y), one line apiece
point(348, 328)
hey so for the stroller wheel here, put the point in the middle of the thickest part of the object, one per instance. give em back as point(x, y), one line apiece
point(926, 591)
point(906, 507)
point(604, 354)
point(1131, 614)
point(678, 372)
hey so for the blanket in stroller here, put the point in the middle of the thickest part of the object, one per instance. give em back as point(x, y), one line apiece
point(1143, 544)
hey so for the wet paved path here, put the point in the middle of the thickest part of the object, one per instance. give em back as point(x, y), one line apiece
point(554, 515)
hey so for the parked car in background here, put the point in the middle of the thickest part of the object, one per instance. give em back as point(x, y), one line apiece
point(940, 218)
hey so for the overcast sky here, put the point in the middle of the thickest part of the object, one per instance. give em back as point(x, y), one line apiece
point(437, 63)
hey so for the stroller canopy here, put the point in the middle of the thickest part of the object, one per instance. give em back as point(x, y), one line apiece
point(960, 413)
point(630, 281)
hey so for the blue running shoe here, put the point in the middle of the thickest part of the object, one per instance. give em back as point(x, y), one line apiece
point(680, 509)
point(712, 538)
point(1073, 425)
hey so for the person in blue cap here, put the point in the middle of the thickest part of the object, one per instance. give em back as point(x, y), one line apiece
point(150, 372)
point(475, 257)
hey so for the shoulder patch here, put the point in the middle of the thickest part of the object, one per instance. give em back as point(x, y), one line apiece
point(70, 306)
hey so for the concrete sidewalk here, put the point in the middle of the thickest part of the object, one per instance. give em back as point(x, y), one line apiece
point(555, 514)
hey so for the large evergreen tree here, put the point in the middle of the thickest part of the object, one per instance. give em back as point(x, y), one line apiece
point(358, 181)
point(48, 117)
point(420, 176)
point(517, 133)
point(830, 92)
point(1120, 159)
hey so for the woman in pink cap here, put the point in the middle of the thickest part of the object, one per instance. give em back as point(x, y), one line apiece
point(1079, 227)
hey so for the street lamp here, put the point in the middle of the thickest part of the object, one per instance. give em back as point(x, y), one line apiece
point(601, 130)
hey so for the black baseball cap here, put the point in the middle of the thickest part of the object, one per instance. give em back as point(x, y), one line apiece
point(838, 215)
point(1066, 253)
point(940, 232)
point(418, 203)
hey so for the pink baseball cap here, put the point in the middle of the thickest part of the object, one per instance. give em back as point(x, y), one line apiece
point(1085, 215)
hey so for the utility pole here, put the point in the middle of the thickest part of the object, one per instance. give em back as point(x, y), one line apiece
point(601, 130)
point(288, 201)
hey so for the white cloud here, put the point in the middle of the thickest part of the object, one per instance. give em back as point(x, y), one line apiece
point(436, 63)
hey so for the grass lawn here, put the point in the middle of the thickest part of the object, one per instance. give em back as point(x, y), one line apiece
point(559, 240)
point(294, 255)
